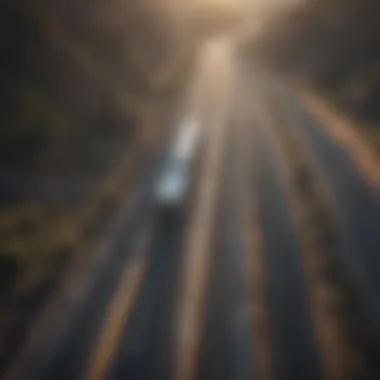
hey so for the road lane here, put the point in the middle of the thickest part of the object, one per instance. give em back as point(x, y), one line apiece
point(346, 337)
point(120, 306)
point(246, 199)
point(288, 301)
point(356, 202)
point(226, 345)
point(217, 92)
point(146, 336)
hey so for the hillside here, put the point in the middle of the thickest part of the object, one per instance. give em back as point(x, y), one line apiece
point(82, 84)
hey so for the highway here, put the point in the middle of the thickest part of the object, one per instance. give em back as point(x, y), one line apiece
point(272, 274)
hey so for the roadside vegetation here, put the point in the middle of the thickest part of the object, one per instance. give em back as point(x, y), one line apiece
point(80, 88)
point(86, 88)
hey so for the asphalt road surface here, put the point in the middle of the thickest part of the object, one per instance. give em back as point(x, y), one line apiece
point(273, 274)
